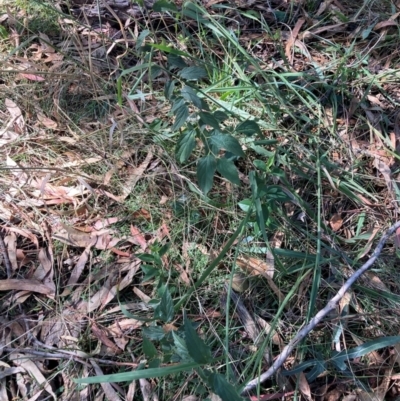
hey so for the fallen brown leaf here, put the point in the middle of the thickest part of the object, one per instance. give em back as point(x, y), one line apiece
point(23, 361)
point(10, 241)
point(304, 387)
point(25, 285)
point(77, 270)
point(292, 39)
point(336, 222)
point(142, 213)
point(45, 272)
point(16, 115)
point(135, 175)
point(108, 389)
point(102, 336)
point(137, 238)
point(255, 266)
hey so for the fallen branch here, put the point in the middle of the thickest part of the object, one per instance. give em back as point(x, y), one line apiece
point(321, 314)
point(4, 252)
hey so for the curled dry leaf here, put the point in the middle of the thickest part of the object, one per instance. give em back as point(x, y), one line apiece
point(137, 238)
point(124, 326)
point(142, 214)
point(102, 336)
point(373, 231)
point(104, 223)
point(304, 387)
point(145, 298)
point(77, 271)
point(21, 360)
point(45, 121)
point(182, 274)
point(108, 389)
point(336, 222)
point(24, 233)
point(16, 115)
point(146, 389)
point(31, 77)
point(10, 241)
point(135, 175)
point(7, 137)
point(45, 272)
point(26, 285)
point(109, 289)
point(255, 266)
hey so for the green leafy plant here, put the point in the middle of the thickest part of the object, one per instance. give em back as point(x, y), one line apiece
point(338, 360)
point(201, 127)
point(182, 350)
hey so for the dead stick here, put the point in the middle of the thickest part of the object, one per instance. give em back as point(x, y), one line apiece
point(321, 314)
point(6, 258)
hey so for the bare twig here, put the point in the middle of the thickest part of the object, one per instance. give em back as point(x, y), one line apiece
point(322, 313)
point(7, 262)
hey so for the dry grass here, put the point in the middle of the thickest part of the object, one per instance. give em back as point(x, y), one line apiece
point(90, 183)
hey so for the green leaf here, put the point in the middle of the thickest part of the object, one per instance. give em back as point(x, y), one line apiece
point(155, 363)
point(248, 128)
point(155, 71)
point(154, 332)
point(185, 145)
point(165, 309)
point(262, 151)
point(193, 73)
point(275, 192)
point(220, 116)
point(245, 204)
point(146, 257)
point(164, 5)
point(125, 312)
point(197, 348)
point(223, 388)
point(167, 49)
point(190, 95)
point(181, 348)
point(148, 348)
point(176, 61)
point(364, 349)
point(139, 374)
point(206, 167)
point(169, 89)
point(209, 119)
point(164, 249)
point(227, 142)
point(141, 38)
point(260, 164)
point(302, 367)
point(228, 170)
point(181, 116)
point(177, 104)
point(149, 272)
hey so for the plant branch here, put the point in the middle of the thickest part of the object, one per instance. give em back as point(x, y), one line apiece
point(322, 313)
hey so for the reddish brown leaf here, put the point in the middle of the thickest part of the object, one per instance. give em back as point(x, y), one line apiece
point(142, 213)
point(120, 253)
point(102, 336)
point(137, 237)
point(336, 222)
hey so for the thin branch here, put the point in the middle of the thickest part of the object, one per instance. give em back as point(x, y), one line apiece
point(4, 252)
point(322, 313)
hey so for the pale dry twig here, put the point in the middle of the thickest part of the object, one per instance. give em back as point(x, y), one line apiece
point(321, 314)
